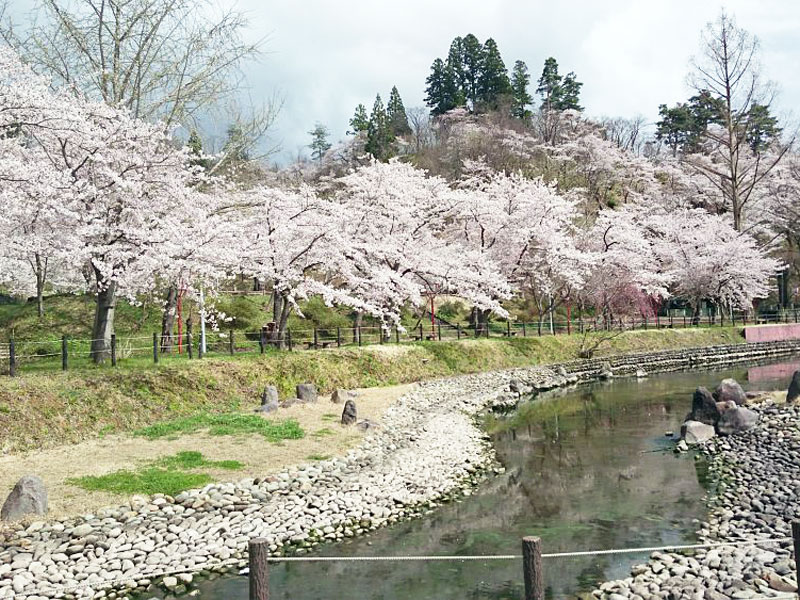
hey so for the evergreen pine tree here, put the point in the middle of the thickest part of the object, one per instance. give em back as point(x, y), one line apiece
point(195, 145)
point(493, 81)
point(396, 112)
point(455, 63)
point(549, 85)
point(569, 93)
point(762, 127)
point(520, 79)
point(319, 142)
point(441, 88)
point(360, 120)
point(379, 132)
point(472, 64)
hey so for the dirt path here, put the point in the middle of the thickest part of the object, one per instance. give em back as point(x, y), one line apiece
point(325, 437)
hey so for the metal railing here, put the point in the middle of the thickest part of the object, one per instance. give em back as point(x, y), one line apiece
point(68, 352)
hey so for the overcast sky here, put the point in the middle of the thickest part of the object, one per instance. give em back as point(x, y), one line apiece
point(324, 57)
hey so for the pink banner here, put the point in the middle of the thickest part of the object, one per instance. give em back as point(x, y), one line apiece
point(772, 333)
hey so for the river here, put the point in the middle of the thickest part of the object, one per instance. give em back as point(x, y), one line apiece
point(587, 468)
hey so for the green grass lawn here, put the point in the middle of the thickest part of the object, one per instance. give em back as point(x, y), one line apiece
point(224, 424)
point(168, 475)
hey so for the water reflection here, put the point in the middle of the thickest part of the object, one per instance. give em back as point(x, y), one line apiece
point(587, 468)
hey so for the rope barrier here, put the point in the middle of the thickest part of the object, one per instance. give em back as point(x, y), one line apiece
point(146, 574)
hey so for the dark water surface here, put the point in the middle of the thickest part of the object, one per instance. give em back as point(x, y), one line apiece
point(587, 468)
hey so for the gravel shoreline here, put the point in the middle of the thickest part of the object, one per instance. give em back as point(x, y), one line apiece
point(758, 478)
point(428, 449)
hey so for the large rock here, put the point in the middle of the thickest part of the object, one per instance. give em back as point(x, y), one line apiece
point(349, 415)
point(695, 432)
point(269, 399)
point(737, 420)
point(794, 388)
point(704, 409)
point(516, 386)
point(29, 497)
point(306, 392)
point(606, 372)
point(340, 396)
point(729, 389)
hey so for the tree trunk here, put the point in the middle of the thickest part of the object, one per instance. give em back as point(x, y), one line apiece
point(357, 326)
point(41, 278)
point(103, 320)
point(696, 314)
point(168, 319)
point(281, 309)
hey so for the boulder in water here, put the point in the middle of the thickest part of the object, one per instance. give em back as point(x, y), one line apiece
point(737, 420)
point(695, 432)
point(729, 389)
point(704, 409)
point(794, 388)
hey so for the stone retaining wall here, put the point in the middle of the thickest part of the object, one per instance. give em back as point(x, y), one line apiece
point(676, 360)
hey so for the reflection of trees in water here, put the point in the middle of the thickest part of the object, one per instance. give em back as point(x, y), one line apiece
point(575, 476)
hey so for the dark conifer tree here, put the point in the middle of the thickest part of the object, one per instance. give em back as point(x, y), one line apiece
point(521, 98)
point(379, 133)
point(441, 88)
point(360, 120)
point(493, 82)
point(396, 112)
point(472, 64)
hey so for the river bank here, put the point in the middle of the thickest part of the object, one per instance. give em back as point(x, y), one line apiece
point(759, 480)
point(427, 449)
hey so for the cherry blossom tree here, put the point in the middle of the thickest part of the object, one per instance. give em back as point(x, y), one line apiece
point(397, 238)
point(127, 185)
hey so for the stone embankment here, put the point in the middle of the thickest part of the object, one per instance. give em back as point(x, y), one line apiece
point(427, 449)
point(758, 475)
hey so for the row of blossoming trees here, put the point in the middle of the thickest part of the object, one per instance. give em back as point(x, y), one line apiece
point(94, 199)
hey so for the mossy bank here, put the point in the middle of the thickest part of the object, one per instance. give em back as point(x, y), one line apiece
point(42, 409)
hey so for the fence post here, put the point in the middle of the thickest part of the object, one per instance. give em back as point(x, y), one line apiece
point(12, 358)
point(458, 331)
point(113, 349)
point(532, 568)
point(439, 331)
point(338, 337)
point(316, 339)
point(230, 343)
point(420, 331)
point(155, 347)
point(524, 333)
point(796, 541)
point(259, 569)
point(189, 338)
point(63, 353)
point(289, 338)
point(262, 339)
point(508, 328)
point(396, 334)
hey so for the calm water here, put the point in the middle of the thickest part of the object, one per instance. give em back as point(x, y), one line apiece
point(588, 468)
